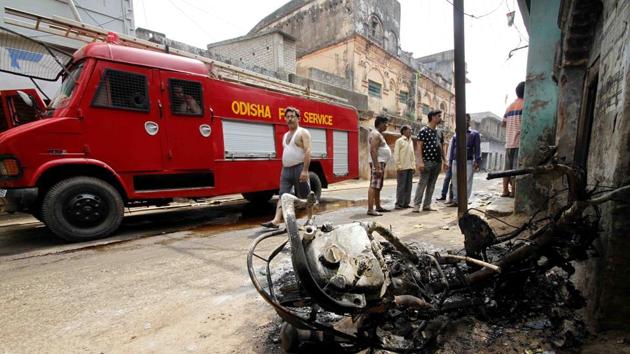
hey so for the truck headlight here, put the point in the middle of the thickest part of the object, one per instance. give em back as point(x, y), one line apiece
point(9, 167)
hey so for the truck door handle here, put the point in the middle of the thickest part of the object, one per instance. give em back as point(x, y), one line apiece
point(160, 109)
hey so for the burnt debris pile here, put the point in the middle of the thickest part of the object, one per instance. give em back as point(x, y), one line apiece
point(357, 286)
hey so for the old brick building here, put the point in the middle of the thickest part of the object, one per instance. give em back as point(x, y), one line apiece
point(355, 44)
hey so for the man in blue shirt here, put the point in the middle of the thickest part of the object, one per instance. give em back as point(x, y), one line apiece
point(473, 158)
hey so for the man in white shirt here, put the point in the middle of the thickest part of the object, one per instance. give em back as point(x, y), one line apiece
point(296, 157)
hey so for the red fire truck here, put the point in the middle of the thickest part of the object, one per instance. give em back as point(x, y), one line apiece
point(138, 127)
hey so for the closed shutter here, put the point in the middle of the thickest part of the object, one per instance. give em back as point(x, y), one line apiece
point(318, 143)
point(340, 153)
point(243, 140)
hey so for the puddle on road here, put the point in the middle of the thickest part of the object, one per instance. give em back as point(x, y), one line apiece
point(251, 215)
point(190, 221)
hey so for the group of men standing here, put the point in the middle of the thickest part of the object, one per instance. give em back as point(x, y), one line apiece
point(433, 158)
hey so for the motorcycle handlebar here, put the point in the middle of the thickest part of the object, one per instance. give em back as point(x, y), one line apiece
point(510, 173)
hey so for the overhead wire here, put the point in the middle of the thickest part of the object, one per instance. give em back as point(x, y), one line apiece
point(188, 17)
point(476, 16)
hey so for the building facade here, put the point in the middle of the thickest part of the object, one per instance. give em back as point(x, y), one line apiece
point(271, 52)
point(356, 44)
point(492, 132)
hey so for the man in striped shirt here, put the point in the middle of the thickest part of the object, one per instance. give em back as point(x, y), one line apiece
point(512, 124)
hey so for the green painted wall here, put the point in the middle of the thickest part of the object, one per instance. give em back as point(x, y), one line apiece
point(538, 124)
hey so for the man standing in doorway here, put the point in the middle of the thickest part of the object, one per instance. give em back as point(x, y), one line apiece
point(296, 157)
point(380, 153)
point(431, 160)
point(473, 159)
point(405, 165)
point(512, 124)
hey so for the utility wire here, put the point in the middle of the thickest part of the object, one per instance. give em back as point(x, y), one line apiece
point(215, 16)
point(476, 16)
point(188, 17)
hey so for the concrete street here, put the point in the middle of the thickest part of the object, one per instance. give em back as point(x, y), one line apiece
point(172, 279)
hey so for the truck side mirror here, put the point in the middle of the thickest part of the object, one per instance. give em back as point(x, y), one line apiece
point(26, 98)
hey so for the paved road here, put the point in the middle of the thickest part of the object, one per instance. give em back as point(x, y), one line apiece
point(185, 289)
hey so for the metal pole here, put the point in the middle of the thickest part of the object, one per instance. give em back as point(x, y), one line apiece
point(75, 12)
point(460, 106)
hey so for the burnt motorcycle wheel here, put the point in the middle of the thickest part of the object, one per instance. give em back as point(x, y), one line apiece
point(82, 208)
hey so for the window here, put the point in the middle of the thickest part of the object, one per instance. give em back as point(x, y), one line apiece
point(374, 88)
point(186, 97)
point(425, 109)
point(403, 97)
point(67, 88)
point(124, 90)
point(3, 121)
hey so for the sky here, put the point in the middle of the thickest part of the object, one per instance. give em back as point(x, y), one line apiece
point(426, 27)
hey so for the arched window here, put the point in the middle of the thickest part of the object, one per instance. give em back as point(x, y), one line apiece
point(391, 42)
point(375, 29)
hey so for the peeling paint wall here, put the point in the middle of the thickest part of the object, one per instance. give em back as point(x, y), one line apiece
point(538, 123)
point(592, 66)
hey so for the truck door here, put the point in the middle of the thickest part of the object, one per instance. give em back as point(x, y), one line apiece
point(188, 123)
point(122, 121)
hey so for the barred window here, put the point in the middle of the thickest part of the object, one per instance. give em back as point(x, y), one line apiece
point(186, 97)
point(403, 97)
point(374, 88)
point(119, 89)
point(425, 109)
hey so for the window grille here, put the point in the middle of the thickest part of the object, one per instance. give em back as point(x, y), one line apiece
point(186, 97)
point(374, 88)
point(403, 97)
point(125, 90)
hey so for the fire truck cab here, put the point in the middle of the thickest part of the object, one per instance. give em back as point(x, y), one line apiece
point(132, 127)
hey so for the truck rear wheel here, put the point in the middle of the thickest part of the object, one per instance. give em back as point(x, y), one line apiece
point(259, 197)
point(316, 184)
point(82, 208)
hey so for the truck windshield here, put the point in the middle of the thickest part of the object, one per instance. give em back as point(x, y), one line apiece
point(67, 88)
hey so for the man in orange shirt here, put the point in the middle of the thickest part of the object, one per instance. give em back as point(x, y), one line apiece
point(512, 124)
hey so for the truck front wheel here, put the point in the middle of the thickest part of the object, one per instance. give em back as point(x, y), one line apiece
point(259, 197)
point(82, 208)
point(316, 184)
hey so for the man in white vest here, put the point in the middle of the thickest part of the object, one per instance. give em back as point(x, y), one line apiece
point(296, 157)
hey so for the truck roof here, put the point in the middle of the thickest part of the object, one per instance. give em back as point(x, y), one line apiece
point(143, 57)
